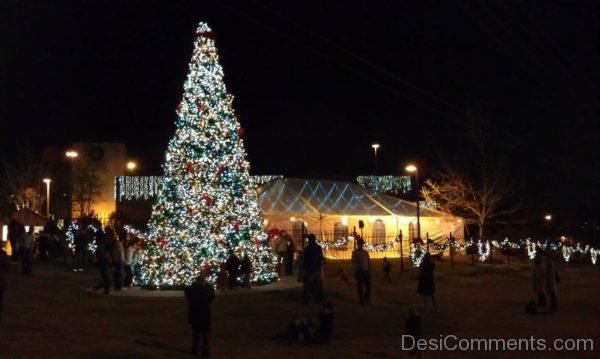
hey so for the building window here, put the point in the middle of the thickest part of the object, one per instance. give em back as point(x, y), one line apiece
point(378, 232)
point(340, 231)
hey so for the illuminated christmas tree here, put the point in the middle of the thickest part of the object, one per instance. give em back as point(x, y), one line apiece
point(207, 205)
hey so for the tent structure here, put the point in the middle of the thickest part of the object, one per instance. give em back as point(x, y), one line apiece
point(333, 209)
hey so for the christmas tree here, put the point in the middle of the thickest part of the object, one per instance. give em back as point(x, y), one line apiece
point(207, 205)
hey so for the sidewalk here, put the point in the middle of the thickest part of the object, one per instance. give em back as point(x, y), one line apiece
point(286, 282)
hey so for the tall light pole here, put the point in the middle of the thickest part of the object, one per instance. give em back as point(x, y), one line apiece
point(131, 166)
point(413, 168)
point(375, 146)
point(71, 156)
point(47, 182)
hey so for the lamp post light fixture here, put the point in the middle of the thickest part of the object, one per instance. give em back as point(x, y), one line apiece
point(47, 182)
point(131, 166)
point(412, 168)
point(375, 147)
point(71, 154)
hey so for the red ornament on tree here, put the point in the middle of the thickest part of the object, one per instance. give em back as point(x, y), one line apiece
point(200, 105)
point(207, 199)
point(236, 225)
point(162, 242)
point(189, 167)
point(241, 131)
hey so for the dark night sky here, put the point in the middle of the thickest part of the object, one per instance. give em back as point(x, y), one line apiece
point(316, 82)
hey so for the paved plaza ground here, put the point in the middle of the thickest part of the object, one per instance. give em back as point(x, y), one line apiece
point(55, 314)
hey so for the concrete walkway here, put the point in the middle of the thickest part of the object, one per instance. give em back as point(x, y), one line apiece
point(289, 282)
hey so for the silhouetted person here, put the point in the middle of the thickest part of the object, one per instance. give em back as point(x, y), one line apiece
point(361, 264)
point(426, 286)
point(246, 268)
point(312, 263)
point(538, 281)
point(25, 246)
point(233, 269)
point(199, 297)
point(324, 331)
point(3, 276)
point(414, 330)
point(15, 230)
point(79, 252)
point(550, 282)
point(387, 270)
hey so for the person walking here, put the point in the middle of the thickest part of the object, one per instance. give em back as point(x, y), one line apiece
point(538, 281)
point(426, 286)
point(118, 261)
point(550, 281)
point(25, 250)
point(199, 297)
point(291, 248)
point(387, 270)
point(312, 264)
point(233, 269)
point(246, 268)
point(361, 264)
point(3, 276)
point(282, 253)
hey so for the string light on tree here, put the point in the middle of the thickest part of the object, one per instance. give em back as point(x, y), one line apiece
point(206, 204)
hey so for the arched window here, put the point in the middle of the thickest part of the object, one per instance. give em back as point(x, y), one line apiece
point(298, 229)
point(378, 232)
point(340, 231)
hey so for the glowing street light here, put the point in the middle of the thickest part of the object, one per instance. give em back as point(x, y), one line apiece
point(375, 146)
point(71, 154)
point(412, 168)
point(47, 182)
point(548, 217)
point(131, 166)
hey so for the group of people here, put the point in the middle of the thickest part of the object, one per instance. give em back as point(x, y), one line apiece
point(234, 273)
point(283, 245)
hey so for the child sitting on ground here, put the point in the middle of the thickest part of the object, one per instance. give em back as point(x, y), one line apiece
point(342, 276)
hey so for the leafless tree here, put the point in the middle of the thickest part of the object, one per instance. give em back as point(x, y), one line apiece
point(86, 189)
point(23, 175)
point(479, 192)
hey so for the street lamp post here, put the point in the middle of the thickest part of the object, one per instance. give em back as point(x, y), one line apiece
point(413, 168)
point(47, 182)
point(375, 146)
point(131, 166)
point(71, 156)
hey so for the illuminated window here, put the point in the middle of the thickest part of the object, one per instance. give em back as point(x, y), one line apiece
point(378, 232)
point(340, 230)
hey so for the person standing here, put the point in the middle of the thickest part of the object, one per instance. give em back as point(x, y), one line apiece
point(289, 266)
point(426, 286)
point(233, 269)
point(387, 270)
point(361, 264)
point(15, 231)
point(79, 252)
point(282, 253)
point(246, 268)
point(3, 276)
point(312, 264)
point(118, 261)
point(25, 250)
point(199, 297)
point(538, 281)
point(550, 280)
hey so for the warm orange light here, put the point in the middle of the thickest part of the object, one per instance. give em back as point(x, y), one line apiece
point(548, 217)
point(411, 168)
point(131, 165)
point(71, 154)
